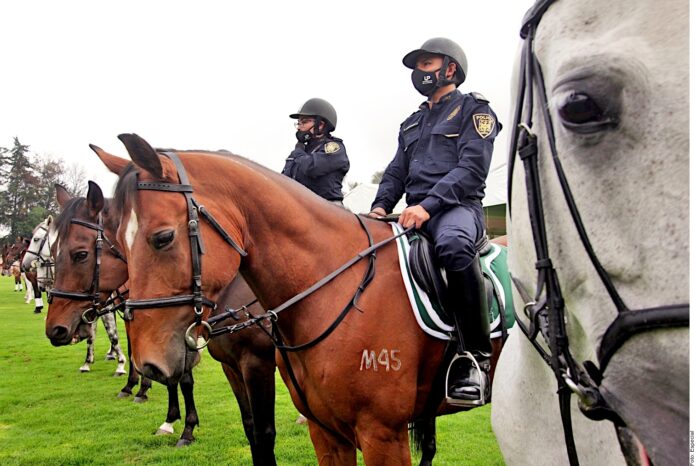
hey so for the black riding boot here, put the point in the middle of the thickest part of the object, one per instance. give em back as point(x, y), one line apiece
point(468, 304)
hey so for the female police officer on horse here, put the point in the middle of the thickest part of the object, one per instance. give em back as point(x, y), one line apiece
point(319, 160)
point(441, 164)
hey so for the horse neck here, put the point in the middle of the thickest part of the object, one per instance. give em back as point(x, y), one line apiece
point(293, 237)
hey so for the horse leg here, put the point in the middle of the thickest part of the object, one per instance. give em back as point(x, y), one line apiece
point(235, 379)
point(38, 300)
point(89, 359)
point(173, 413)
point(259, 381)
point(423, 436)
point(191, 420)
point(332, 450)
point(109, 322)
point(383, 444)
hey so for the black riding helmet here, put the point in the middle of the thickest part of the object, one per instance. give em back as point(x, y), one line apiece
point(317, 107)
point(441, 46)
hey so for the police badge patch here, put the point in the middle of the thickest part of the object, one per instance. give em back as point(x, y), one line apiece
point(331, 147)
point(483, 124)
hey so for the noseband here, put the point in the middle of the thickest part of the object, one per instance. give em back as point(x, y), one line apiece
point(546, 310)
point(197, 249)
point(45, 263)
point(98, 305)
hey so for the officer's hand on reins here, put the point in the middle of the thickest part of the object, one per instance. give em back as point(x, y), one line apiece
point(414, 216)
point(377, 212)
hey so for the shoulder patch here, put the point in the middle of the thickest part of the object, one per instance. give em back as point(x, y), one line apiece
point(479, 98)
point(483, 124)
point(331, 147)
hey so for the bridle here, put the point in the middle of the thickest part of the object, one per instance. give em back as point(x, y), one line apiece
point(198, 300)
point(197, 250)
point(45, 263)
point(546, 310)
point(116, 301)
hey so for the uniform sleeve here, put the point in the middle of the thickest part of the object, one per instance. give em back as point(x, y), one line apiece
point(475, 150)
point(289, 168)
point(392, 186)
point(319, 163)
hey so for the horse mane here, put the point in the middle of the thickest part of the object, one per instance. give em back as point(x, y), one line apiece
point(75, 208)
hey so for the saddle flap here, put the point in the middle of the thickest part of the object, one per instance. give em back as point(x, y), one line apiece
point(424, 268)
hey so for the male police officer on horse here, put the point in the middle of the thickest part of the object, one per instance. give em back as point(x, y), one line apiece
point(319, 160)
point(441, 164)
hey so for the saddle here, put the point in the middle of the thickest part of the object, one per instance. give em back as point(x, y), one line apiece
point(428, 274)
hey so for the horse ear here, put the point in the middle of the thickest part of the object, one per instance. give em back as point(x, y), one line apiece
point(49, 220)
point(113, 163)
point(95, 199)
point(62, 195)
point(142, 154)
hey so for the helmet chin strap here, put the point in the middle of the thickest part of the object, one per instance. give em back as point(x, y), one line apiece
point(442, 80)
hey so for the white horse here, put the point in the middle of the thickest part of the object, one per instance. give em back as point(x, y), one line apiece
point(38, 257)
point(616, 76)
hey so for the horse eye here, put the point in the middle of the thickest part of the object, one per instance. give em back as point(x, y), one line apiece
point(580, 113)
point(80, 256)
point(161, 240)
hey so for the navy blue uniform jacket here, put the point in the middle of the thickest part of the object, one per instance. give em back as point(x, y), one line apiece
point(321, 167)
point(444, 155)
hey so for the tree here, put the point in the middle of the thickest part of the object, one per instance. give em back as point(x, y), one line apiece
point(20, 192)
point(377, 176)
point(49, 171)
point(73, 179)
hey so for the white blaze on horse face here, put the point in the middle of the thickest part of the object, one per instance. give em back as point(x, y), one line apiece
point(131, 229)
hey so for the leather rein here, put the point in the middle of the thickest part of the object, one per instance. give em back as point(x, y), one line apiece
point(546, 310)
point(198, 300)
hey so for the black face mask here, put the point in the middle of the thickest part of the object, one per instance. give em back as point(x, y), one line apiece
point(303, 136)
point(425, 82)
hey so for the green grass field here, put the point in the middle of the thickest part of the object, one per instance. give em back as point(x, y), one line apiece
point(52, 414)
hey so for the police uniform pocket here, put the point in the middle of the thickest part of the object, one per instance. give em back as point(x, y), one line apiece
point(443, 155)
point(411, 134)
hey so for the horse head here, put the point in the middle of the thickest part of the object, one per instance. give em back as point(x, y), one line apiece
point(82, 280)
point(612, 183)
point(39, 245)
point(158, 238)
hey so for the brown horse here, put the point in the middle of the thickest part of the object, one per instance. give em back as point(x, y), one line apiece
point(292, 239)
point(247, 360)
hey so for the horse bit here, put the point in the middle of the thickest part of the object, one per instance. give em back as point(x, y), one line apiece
point(98, 307)
point(546, 310)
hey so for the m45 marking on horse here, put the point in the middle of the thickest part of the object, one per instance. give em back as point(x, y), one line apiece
point(387, 358)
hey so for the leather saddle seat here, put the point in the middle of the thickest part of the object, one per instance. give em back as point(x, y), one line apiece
point(428, 274)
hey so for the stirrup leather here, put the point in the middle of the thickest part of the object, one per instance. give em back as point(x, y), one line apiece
point(482, 377)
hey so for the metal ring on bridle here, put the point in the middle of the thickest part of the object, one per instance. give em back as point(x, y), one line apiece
point(86, 320)
point(192, 342)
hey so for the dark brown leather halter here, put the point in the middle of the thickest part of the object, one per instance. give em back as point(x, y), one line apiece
point(546, 310)
point(99, 307)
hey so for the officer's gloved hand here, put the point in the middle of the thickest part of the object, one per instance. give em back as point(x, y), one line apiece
point(300, 146)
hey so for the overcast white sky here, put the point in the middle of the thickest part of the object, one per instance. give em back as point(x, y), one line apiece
point(226, 75)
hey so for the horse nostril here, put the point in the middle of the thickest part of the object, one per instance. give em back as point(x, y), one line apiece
point(58, 335)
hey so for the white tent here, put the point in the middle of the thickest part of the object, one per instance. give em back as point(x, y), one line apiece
point(359, 199)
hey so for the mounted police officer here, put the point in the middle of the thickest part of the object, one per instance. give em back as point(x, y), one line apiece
point(441, 163)
point(319, 160)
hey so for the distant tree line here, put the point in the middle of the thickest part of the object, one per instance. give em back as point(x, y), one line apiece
point(27, 191)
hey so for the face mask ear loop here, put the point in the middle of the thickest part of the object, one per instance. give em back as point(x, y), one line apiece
point(442, 80)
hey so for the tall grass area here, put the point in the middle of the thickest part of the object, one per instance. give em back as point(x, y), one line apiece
point(52, 414)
